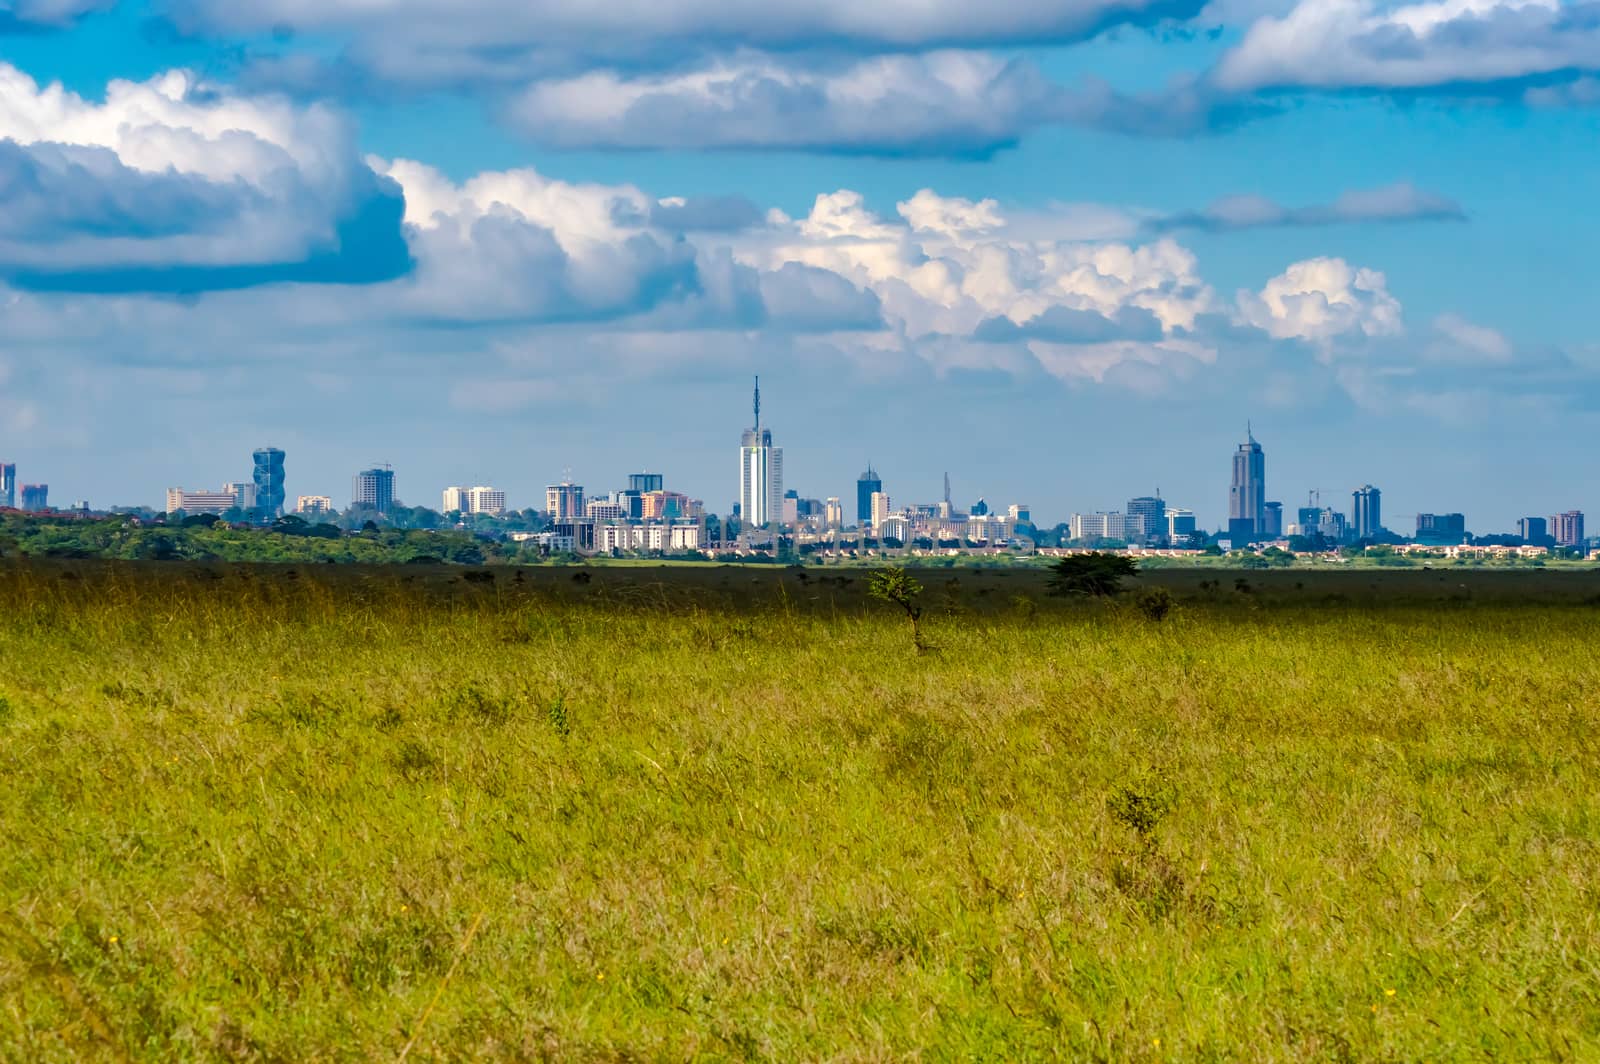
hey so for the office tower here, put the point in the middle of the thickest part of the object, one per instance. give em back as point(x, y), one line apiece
point(313, 504)
point(1147, 518)
point(643, 482)
point(1180, 525)
point(269, 483)
point(790, 513)
point(1534, 530)
point(8, 485)
point(1441, 528)
point(35, 497)
point(1567, 529)
point(374, 490)
point(980, 508)
point(1331, 525)
point(833, 512)
point(564, 501)
point(867, 484)
point(1272, 520)
point(1247, 498)
point(1367, 512)
point(1020, 513)
point(201, 502)
point(453, 500)
point(1307, 518)
point(244, 493)
point(661, 505)
point(879, 512)
point(760, 474)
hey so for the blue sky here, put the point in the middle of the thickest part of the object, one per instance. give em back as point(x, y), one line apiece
point(1063, 249)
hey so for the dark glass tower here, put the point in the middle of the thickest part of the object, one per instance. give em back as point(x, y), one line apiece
point(269, 483)
point(1367, 511)
point(866, 485)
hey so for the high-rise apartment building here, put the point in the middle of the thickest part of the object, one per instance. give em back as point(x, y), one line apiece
point(453, 500)
point(1534, 531)
point(1247, 498)
point(35, 497)
point(1147, 518)
point(867, 484)
point(313, 504)
point(564, 501)
point(760, 474)
point(8, 485)
point(269, 483)
point(1366, 512)
point(1567, 529)
point(374, 490)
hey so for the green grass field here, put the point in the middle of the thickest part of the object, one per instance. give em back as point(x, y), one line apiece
point(344, 814)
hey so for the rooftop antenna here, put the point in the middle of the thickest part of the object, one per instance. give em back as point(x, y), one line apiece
point(947, 488)
point(758, 402)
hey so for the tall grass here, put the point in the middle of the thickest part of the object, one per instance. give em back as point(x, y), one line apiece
point(254, 817)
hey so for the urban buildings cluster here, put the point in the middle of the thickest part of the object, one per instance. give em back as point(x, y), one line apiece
point(767, 516)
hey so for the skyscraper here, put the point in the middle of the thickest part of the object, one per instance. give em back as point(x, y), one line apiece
point(374, 490)
point(643, 482)
point(868, 484)
point(35, 497)
point(8, 484)
point(1534, 531)
point(760, 474)
point(269, 483)
point(1247, 498)
point(1367, 512)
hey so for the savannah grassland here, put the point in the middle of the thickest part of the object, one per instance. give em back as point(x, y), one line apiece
point(331, 813)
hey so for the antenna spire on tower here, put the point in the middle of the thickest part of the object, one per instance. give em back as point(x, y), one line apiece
point(758, 402)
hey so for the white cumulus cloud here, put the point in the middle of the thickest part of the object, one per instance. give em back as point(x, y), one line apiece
point(1341, 44)
point(1322, 299)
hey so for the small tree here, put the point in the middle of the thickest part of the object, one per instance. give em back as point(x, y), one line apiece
point(1096, 574)
point(900, 588)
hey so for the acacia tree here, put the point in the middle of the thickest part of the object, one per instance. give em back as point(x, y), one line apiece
point(900, 588)
point(1096, 574)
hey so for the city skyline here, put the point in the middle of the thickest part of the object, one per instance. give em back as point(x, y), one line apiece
point(761, 465)
point(1059, 250)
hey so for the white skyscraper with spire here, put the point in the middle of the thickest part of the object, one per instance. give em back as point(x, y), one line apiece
point(1247, 497)
point(760, 474)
